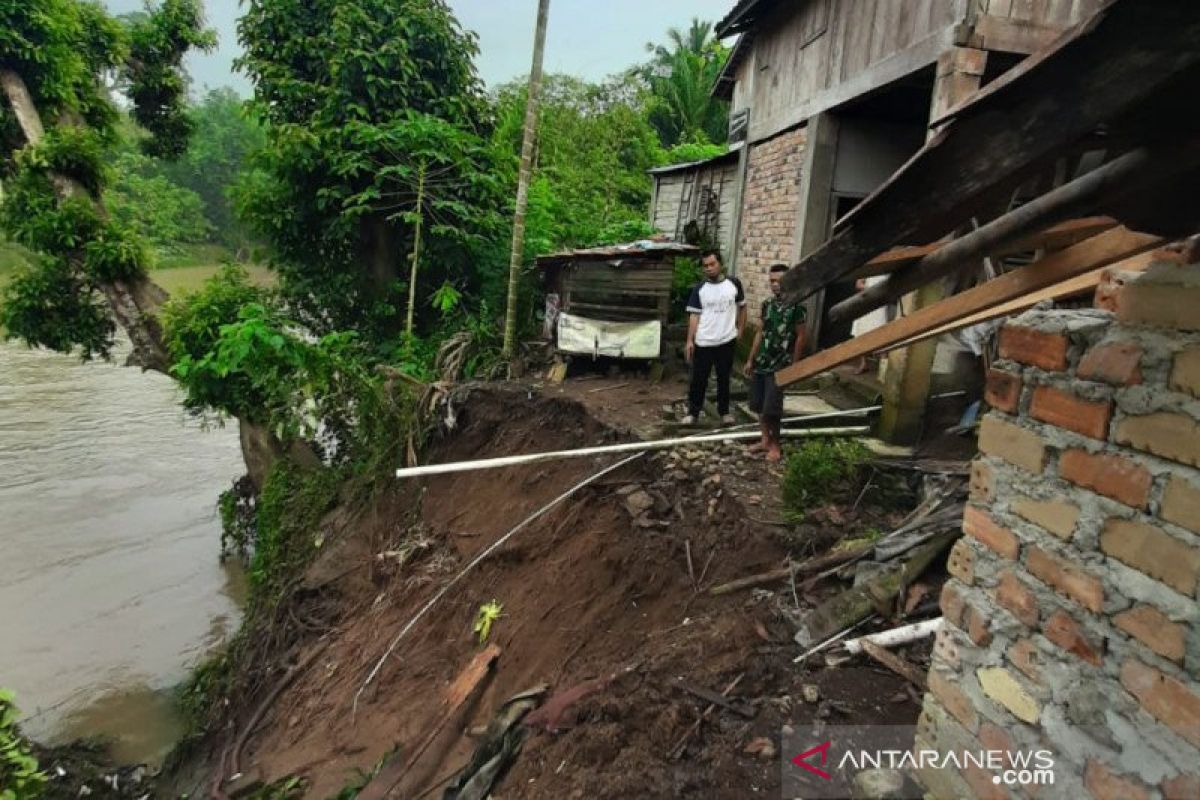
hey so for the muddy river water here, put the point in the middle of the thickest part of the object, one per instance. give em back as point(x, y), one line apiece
point(110, 585)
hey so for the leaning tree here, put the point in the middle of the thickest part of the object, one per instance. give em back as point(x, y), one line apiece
point(60, 63)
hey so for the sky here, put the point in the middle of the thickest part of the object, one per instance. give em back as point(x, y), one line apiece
point(585, 38)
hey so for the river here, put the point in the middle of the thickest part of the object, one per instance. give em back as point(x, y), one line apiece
point(110, 585)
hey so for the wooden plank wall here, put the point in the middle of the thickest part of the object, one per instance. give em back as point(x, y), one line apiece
point(828, 42)
point(1048, 13)
point(719, 179)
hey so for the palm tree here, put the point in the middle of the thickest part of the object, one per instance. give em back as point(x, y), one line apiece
point(681, 75)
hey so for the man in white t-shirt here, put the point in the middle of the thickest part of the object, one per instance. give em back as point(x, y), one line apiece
point(716, 318)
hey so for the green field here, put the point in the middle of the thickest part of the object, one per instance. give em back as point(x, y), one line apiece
point(181, 271)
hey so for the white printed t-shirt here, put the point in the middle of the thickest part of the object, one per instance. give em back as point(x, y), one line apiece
point(717, 304)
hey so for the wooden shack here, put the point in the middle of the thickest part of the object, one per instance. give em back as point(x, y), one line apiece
point(611, 301)
point(696, 201)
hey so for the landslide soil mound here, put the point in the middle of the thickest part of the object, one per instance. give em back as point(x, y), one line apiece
point(598, 587)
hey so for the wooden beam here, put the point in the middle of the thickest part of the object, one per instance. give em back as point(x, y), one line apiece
point(1107, 248)
point(1140, 165)
point(1131, 52)
point(1056, 237)
point(1014, 35)
point(1087, 282)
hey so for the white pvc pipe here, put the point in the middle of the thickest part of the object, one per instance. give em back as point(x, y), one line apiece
point(625, 447)
point(897, 636)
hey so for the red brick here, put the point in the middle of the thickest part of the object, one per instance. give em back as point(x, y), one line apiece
point(1014, 444)
point(1181, 504)
point(1152, 551)
point(1113, 362)
point(983, 482)
point(1003, 390)
point(1015, 596)
point(1067, 579)
point(1056, 516)
point(1057, 407)
point(1033, 347)
point(1113, 476)
point(953, 604)
point(1104, 784)
point(1025, 656)
point(978, 524)
point(977, 625)
point(1065, 632)
point(993, 737)
point(1181, 787)
point(1154, 629)
point(961, 562)
point(1166, 699)
point(942, 687)
point(1165, 434)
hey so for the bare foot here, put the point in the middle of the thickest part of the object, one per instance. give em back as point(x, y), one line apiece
point(774, 454)
point(757, 447)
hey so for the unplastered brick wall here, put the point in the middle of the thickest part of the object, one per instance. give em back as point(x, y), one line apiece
point(770, 207)
point(1072, 608)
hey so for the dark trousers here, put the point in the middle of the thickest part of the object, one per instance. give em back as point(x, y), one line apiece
point(704, 359)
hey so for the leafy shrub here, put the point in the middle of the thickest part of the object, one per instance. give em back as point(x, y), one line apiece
point(20, 778)
point(818, 469)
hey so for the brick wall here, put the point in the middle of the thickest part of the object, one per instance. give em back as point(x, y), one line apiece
point(770, 207)
point(1072, 609)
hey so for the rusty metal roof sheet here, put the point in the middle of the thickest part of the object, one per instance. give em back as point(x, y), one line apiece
point(643, 249)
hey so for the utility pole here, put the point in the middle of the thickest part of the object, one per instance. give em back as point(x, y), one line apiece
point(523, 176)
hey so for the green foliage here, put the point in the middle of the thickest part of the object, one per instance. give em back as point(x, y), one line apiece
point(50, 305)
point(20, 778)
point(217, 160)
point(293, 500)
point(157, 84)
point(818, 469)
point(358, 95)
point(681, 78)
point(688, 152)
point(144, 200)
point(72, 151)
point(115, 254)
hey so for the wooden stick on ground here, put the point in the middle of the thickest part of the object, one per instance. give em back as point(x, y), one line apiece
point(677, 750)
point(895, 663)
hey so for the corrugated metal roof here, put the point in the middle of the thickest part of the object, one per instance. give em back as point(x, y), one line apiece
point(728, 155)
point(642, 249)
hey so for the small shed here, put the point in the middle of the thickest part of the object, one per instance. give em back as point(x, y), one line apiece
point(696, 201)
point(611, 301)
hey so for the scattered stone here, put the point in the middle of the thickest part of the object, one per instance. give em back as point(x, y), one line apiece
point(878, 784)
point(811, 693)
point(638, 502)
point(762, 747)
point(628, 489)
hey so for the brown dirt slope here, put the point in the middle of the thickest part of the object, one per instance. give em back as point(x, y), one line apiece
point(597, 587)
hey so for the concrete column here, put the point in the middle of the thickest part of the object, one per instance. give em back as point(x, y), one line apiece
point(908, 371)
point(816, 203)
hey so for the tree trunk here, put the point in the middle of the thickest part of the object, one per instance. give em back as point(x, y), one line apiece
point(135, 304)
point(526, 171)
point(416, 253)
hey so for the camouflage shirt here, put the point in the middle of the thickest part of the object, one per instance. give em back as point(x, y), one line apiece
point(779, 323)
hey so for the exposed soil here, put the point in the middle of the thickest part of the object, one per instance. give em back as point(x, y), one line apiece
point(597, 588)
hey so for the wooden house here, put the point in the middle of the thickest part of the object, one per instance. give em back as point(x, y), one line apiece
point(696, 202)
point(610, 301)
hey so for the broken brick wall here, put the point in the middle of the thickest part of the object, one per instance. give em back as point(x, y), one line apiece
point(1072, 609)
point(770, 208)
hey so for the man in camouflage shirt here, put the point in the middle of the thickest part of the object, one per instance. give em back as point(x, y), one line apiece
point(778, 343)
